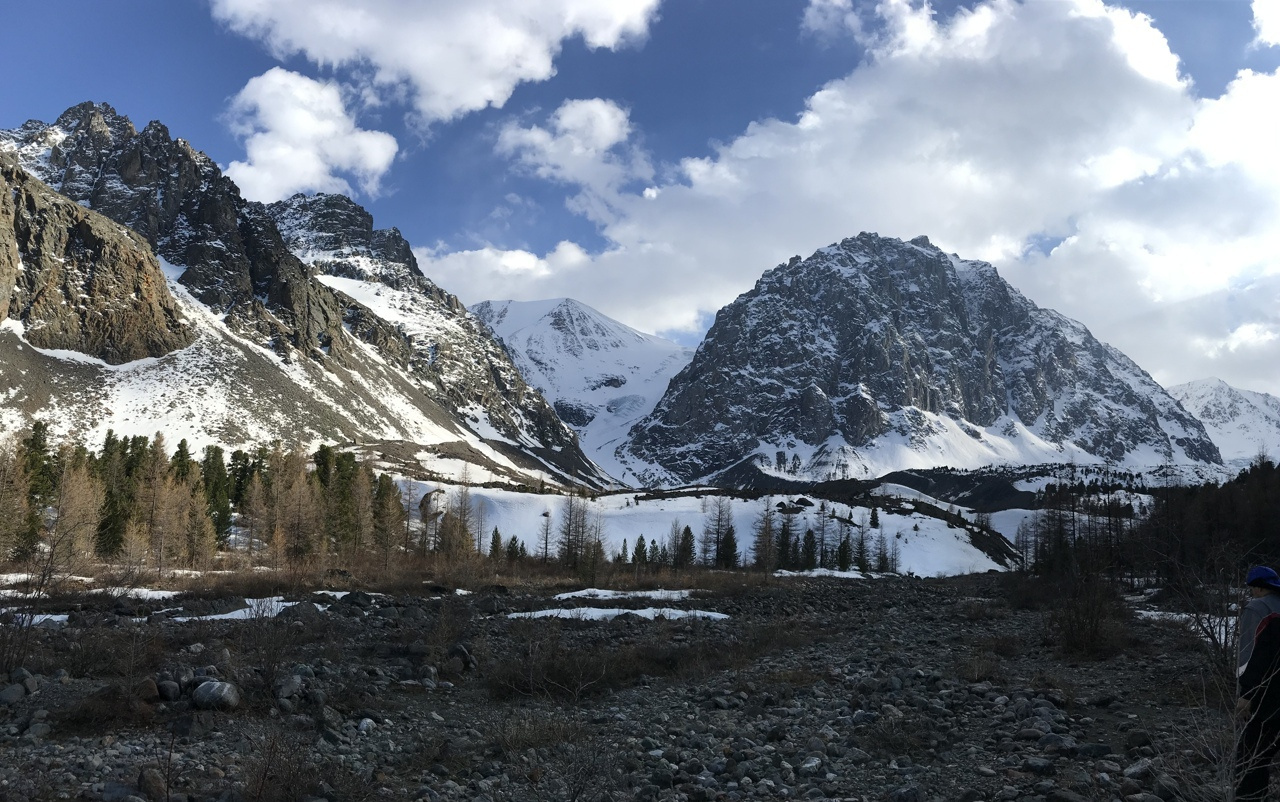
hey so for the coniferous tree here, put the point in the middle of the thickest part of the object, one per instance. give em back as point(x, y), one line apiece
point(640, 557)
point(495, 546)
point(13, 499)
point(764, 540)
point(875, 518)
point(809, 553)
point(844, 553)
point(785, 536)
point(298, 510)
point(728, 553)
point(199, 537)
point(513, 549)
point(684, 555)
point(719, 518)
point(217, 491)
point(388, 519)
point(573, 536)
point(182, 467)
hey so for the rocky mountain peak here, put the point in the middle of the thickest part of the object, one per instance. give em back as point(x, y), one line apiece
point(1243, 423)
point(336, 234)
point(875, 354)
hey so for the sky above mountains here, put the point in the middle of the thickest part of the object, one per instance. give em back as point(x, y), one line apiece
point(651, 158)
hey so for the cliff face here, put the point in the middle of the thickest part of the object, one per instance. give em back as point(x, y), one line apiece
point(78, 281)
point(875, 354)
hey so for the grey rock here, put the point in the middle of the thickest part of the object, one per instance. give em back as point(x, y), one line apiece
point(12, 694)
point(216, 696)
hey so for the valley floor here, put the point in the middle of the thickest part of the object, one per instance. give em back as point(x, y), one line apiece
point(814, 688)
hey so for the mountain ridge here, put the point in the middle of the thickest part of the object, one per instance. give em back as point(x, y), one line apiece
point(458, 392)
point(876, 354)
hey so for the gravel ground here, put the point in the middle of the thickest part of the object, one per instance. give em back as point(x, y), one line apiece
point(897, 689)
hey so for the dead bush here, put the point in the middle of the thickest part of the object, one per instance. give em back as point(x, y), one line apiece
point(980, 666)
point(1089, 620)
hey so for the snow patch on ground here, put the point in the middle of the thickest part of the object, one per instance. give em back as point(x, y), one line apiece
point(610, 613)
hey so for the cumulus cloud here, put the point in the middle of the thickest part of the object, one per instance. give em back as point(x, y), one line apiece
point(826, 18)
point(298, 137)
point(585, 145)
point(1266, 21)
point(451, 56)
point(1000, 131)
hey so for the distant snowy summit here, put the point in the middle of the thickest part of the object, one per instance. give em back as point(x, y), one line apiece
point(875, 355)
point(600, 375)
point(1244, 424)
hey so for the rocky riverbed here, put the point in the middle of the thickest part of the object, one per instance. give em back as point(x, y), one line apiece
point(898, 689)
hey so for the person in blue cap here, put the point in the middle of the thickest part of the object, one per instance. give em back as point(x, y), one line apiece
point(1259, 703)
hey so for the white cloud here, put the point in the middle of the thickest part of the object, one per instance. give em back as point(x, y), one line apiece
point(1007, 124)
point(1266, 21)
point(585, 145)
point(831, 18)
point(299, 137)
point(452, 56)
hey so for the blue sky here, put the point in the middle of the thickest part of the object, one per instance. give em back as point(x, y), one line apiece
point(653, 157)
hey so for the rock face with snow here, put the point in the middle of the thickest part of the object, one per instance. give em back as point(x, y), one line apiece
point(600, 375)
point(1244, 424)
point(77, 281)
point(875, 354)
point(277, 353)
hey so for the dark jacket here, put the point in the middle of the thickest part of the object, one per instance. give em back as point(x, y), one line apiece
point(1260, 652)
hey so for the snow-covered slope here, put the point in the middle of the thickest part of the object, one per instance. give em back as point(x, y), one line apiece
point(1243, 423)
point(927, 546)
point(875, 355)
point(279, 354)
point(600, 375)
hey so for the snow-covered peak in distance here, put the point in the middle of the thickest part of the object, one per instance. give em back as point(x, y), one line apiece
point(600, 375)
point(1242, 423)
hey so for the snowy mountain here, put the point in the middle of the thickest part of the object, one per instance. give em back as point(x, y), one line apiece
point(259, 346)
point(875, 355)
point(1242, 423)
point(600, 375)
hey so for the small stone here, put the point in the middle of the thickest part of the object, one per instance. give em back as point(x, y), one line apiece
point(12, 694)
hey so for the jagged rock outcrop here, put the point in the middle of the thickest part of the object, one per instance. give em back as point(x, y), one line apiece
point(875, 354)
point(177, 198)
point(336, 235)
point(78, 281)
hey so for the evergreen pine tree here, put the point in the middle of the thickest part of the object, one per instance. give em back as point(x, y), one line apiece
point(844, 554)
point(875, 518)
point(728, 553)
point(513, 549)
point(785, 536)
point(640, 557)
point(495, 546)
point(217, 491)
point(685, 551)
point(809, 554)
